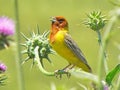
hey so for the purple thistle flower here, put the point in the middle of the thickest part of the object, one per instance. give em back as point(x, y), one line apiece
point(106, 87)
point(3, 67)
point(7, 26)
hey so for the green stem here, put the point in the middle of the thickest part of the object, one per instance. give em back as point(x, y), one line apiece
point(84, 75)
point(18, 54)
point(118, 83)
point(103, 48)
point(103, 61)
point(99, 38)
point(37, 59)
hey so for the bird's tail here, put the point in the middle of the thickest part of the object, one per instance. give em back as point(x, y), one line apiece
point(85, 67)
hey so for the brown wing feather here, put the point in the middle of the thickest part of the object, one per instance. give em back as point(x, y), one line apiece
point(75, 49)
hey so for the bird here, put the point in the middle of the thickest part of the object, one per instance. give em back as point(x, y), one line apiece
point(62, 42)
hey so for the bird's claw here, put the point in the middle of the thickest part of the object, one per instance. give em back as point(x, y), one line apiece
point(58, 73)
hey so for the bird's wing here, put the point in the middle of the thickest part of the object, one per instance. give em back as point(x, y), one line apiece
point(74, 48)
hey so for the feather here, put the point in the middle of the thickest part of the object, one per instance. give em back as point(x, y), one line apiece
point(71, 44)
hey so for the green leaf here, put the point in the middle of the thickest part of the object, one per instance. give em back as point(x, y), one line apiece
point(112, 74)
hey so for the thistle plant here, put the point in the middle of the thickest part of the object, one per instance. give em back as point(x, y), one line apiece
point(3, 77)
point(42, 42)
point(7, 28)
point(97, 22)
point(3, 67)
point(37, 48)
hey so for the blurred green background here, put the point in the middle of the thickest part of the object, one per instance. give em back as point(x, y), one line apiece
point(33, 12)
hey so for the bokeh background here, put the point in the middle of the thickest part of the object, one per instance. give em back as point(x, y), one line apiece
point(38, 12)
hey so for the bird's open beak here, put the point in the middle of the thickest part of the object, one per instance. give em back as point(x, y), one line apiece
point(53, 19)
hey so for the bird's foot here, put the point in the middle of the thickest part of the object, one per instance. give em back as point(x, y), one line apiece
point(59, 73)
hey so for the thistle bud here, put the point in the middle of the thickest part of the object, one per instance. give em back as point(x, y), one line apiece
point(37, 40)
point(96, 21)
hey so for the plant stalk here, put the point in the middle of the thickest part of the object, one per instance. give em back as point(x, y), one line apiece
point(102, 60)
point(39, 64)
point(18, 53)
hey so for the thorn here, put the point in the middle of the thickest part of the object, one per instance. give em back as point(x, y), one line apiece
point(25, 60)
point(38, 29)
point(33, 34)
point(49, 59)
point(24, 36)
point(52, 51)
point(45, 34)
point(6, 46)
point(33, 63)
point(24, 51)
point(41, 61)
point(23, 44)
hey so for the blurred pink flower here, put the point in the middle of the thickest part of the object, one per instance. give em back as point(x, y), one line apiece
point(3, 67)
point(7, 26)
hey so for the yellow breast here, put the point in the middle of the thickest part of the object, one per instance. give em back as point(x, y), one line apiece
point(62, 49)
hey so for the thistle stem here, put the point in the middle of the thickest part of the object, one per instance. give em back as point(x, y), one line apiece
point(99, 37)
point(39, 64)
point(18, 54)
point(102, 60)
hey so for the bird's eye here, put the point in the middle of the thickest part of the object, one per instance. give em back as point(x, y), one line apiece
point(61, 20)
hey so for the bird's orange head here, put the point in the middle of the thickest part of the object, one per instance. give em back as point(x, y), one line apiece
point(58, 23)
